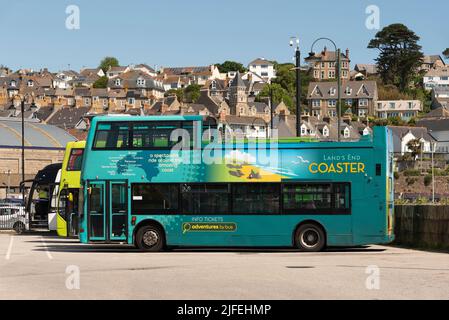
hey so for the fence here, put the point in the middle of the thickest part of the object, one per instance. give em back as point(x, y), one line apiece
point(424, 226)
point(13, 217)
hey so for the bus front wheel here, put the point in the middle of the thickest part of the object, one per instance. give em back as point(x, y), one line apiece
point(310, 237)
point(150, 238)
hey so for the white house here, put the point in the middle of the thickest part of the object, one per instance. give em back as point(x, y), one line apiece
point(405, 109)
point(262, 68)
point(437, 77)
point(403, 135)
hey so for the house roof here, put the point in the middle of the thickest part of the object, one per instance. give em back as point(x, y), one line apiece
point(418, 132)
point(67, 117)
point(431, 59)
point(36, 134)
point(440, 112)
point(238, 81)
point(326, 55)
point(231, 119)
point(441, 124)
point(438, 72)
point(358, 89)
point(260, 61)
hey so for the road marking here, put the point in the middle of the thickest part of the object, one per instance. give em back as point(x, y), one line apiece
point(8, 253)
point(46, 249)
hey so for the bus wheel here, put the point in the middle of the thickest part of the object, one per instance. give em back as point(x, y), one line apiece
point(150, 238)
point(310, 238)
point(19, 227)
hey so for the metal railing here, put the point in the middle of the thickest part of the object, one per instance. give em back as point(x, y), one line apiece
point(13, 217)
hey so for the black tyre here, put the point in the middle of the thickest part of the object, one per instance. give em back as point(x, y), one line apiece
point(310, 237)
point(19, 227)
point(150, 238)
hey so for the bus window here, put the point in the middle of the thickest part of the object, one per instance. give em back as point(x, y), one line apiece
point(257, 198)
point(161, 134)
point(148, 198)
point(75, 160)
point(315, 198)
point(113, 135)
point(205, 198)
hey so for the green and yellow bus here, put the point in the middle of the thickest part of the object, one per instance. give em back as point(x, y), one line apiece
point(69, 186)
point(154, 182)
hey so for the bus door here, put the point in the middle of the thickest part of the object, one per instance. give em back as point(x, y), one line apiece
point(108, 211)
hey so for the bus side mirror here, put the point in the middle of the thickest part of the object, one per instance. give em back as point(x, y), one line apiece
point(70, 197)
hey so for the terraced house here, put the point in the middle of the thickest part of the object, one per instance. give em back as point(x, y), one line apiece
point(323, 65)
point(358, 98)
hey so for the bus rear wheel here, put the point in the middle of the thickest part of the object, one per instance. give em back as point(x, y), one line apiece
point(310, 237)
point(150, 238)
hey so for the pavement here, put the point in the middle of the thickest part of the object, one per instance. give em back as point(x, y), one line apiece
point(43, 266)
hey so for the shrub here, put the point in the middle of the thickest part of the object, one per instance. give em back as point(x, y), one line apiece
point(427, 180)
point(412, 173)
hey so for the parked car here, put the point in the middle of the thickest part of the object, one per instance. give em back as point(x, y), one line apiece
point(12, 216)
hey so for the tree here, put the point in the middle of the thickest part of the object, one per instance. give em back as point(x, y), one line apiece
point(179, 93)
point(108, 62)
point(279, 95)
point(446, 53)
point(192, 93)
point(101, 83)
point(400, 54)
point(286, 78)
point(415, 147)
point(227, 66)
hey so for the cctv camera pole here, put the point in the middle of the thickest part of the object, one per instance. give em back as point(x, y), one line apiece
point(298, 92)
point(22, 111)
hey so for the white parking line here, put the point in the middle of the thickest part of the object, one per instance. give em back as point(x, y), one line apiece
point(8, 253)
point(46, 249)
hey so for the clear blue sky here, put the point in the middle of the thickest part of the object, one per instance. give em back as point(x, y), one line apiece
point(201, 32)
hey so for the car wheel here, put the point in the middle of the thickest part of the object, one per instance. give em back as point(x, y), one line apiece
point(19, 227)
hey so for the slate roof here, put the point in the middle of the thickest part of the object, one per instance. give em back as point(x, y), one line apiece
point(67, 117)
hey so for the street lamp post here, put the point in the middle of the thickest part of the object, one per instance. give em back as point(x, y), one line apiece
point(294, 40)
point(338, 53)
point(22, 111)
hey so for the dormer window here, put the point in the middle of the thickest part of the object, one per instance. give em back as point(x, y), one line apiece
point(325, 132)
point(30, 83)
point(346, 132)
point(118, 82)
point(348, 91)
point(213, 85)
point(332, 91)
point(12, 83)
point(141, 82)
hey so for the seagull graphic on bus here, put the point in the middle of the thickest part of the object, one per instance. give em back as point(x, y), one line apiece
point(301, 160)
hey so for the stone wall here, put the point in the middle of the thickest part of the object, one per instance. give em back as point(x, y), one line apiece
point(424, 226)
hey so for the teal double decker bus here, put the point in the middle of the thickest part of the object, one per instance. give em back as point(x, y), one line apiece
point(166, 181)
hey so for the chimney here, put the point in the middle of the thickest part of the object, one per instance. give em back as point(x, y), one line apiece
point(327, 119)
point(347, 53)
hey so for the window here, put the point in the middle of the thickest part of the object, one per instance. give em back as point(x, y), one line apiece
point(325, 132)
point(112, 135)
point(75, 160)
point(141, 82)
point(348, 91)
point(205, 198)
point(410, 105)
point(150, 198)
point(346, 132)
point(331, 74)
point(363, 102)
point(316, 103)
point(30, 83)
point(332, 91)
point(131, 101)
point(316, 198)
point(332, 103)
point(264, 74)
point(13, 83)
point(392, 105)
point(349, 102)
point(142, 135)
point(118, 82)
point(257, 198)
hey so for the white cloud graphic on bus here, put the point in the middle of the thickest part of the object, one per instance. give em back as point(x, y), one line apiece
point(238, 156)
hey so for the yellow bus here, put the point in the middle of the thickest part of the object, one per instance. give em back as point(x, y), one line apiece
point(67, 208)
